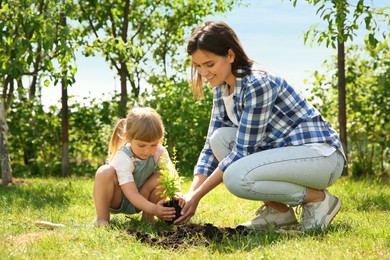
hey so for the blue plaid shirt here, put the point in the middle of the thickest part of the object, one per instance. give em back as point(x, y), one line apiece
point(271, 114)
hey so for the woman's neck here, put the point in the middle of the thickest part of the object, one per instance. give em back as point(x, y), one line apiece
point(229, 89)
point(231, 83)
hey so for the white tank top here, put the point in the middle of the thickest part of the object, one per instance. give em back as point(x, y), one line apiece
point(228, 100)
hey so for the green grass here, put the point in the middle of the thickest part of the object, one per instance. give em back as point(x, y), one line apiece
point(360, 231)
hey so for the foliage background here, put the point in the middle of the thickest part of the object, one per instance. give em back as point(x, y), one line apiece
point(368, 102)
point(35, 130)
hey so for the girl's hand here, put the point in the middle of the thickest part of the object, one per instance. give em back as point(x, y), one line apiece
point(191, 203)
point(164, 213)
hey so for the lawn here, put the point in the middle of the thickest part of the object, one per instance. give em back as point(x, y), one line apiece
point(360, 231)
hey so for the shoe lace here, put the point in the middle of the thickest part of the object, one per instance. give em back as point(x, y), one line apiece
point(298, 210)
point(307, 212)
point(264, 209)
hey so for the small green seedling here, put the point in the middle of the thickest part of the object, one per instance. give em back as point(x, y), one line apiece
point(170, 184)
point(170, 181)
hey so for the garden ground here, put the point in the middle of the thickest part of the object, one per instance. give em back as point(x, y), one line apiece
point(360, 231)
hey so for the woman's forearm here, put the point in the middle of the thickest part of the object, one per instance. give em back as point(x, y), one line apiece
point(197, 181)
point(203, 184)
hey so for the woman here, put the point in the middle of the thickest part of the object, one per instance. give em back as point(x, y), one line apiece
point(265, 141)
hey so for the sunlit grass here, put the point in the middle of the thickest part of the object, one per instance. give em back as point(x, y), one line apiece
point(360, 231)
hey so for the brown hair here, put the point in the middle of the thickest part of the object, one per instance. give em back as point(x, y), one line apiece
point(218, 38)
point(141, 123)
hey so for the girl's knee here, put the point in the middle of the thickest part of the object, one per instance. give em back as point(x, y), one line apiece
point(153, 180)
point(152, 183)
point(105, 172)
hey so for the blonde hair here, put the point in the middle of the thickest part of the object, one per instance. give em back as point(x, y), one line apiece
point(141, 123)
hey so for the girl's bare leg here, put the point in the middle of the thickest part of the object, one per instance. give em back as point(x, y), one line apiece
point(106, 193)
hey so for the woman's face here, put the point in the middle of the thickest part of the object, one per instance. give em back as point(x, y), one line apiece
point(216, 69)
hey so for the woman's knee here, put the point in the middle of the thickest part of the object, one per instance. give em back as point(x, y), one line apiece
point(233, 182)
point(216, 139)
point(221, 141)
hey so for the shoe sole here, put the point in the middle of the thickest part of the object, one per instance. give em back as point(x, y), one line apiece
point(267, 226)
point(333, 212)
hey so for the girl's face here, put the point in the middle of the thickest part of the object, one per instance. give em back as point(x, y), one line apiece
point(143, 150)
point(216, 69)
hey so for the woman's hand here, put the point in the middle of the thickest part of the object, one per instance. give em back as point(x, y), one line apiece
point(191, 204)
point(180, 198)
point(201, 185)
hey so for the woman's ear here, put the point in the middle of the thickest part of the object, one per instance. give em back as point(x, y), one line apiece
point(231, 55)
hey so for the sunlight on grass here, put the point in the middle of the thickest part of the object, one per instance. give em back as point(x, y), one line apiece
point(360, 231)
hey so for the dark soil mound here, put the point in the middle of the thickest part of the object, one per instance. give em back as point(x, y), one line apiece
point(188, 234)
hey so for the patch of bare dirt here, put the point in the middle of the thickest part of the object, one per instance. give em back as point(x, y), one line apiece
point(188, 235)
point(16, 181)
point(21, 240)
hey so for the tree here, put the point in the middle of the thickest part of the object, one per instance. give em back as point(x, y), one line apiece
point(30, 34)
point(136, 35)
point(36, 49)
point(343, 20)
point(18, 22)
point(66, 54)
point(368, 103)
point(65, 48)
point(5, 161)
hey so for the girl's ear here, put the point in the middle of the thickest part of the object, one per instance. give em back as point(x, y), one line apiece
point(231, 55)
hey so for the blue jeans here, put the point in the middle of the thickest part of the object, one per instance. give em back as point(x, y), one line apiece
point(282, 174)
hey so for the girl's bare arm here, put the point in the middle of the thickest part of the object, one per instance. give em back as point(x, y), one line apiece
point(140, 202)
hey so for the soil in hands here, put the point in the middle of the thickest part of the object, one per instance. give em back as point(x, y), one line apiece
point(188, 235)
point(174, 204)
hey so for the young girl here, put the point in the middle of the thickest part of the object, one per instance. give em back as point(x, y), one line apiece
point(265, 141)
point(128, 184)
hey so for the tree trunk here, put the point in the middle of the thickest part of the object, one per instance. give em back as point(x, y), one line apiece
point(6, 171)
point(65, 128)
point(64, 115)
point(342, 99)
point(341, 79)
point(122, 108)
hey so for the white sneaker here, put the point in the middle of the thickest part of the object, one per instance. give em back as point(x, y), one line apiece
point(320, 214)
point(268, 216)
